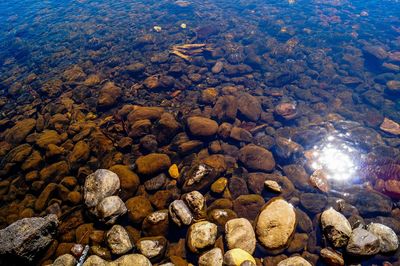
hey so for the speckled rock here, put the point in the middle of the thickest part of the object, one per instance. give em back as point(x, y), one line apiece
point(239, 233)
point(336, 227)
point(99, 185)
point(110, 208)
point(294, 261)
point(212, 257)
point(362, 243)
point(276, 223)
point(130, 259)
point(201, 236)
point(180, 213)
point(387, 237)
point(65, 260)
point(152, 247)
point(118, 240)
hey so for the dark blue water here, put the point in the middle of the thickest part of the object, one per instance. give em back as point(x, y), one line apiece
point(325, 75)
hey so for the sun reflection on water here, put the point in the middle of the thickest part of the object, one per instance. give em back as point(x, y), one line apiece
point(336, 158)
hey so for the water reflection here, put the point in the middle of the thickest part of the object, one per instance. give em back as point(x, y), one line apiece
point(336, 158)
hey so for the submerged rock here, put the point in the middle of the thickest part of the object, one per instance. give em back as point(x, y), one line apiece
point(212, 257)
point(26, 239)
point(118, 240)
point(202, 126)
point(388, 240)
point(237, 256)
point(363, 243)
point(201, 236)
point(294, 261)
point(276, 223)
point(239, 233)
point(336, 227)
point(257, 158)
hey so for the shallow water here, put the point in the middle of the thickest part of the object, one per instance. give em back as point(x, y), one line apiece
point(317, 83)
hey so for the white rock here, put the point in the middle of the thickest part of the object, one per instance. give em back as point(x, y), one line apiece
point(110, 208)
point(201, 235)
point(118, 240)
point(212, 257)
point(99, 185)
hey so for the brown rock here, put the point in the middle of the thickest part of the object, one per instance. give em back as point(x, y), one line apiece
point(129, 180)
point(202, 126)
point(248, 206)
point(390, 126)
point(249, 107)
point(138, 208)
point(153, 163)
point(256, 158)
point(19, 131)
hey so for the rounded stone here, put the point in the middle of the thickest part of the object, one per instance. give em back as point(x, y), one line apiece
point(131, 259)
point(110, 208)
point(240, 234)
point(362, 243)
point(99, 185)
point(201, 236)
point(65, 260)
point(212, 257)
point(387, 237)
point(257, 158)
point(294, 261)
point(202, 126)
point(138, 208)
point(336, 227)
point(237, 256)
point(152, 164)
point(118, 240)
point(152, 247)
point(276, 223)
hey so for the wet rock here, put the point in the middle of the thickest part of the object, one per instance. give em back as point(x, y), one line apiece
point(201, 236)
point(390, 126)
point(156, 224)
point(118, 240)
point(256, 158)
point(65, 260)
point(156, 183)
point(219, 185)
point(336, 227)
point(196, 203)
point(376, 51)
point(202, 126)
point(138, 208)
point(48, 137)
point(362, 243)
point(319, 180)
point(166, 128)
point(237, 256)
point(140, 113)
point(248, 206)
point(99, 185)
point(109, 95)
point(44, 197)
point(152, 247)
point(285, 149)
point(294, 261)
point(331, 257)
point(313, 202)
point(212, 257)
point(180, 213)
point(129, 180)
point(80, 153)
point(135, 68)
point(239, 233)
point(273, 186)
point(304, 222)
point(153, 163)
point(276, 224)
point(217, 67)
point(287, 111)
point(19, 131)
point(27, 238)
point(225, 109)
point(159, 82)
point(54, 170)
point(110, 208)
point(240, 134)
point(370, 203)
point(388, 240)
point(393, 86)
point(237, 187)
point(130, 259)
point(17, 155)
point(95, 260)
point(249, 107)
point(198, 177)
point(209, 95)
point(298, 175)
point(298, 243)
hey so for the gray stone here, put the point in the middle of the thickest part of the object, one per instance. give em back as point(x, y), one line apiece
point(387, 237)
point(240, 234)
point(25, 239)
point(99, 185)
point(110, 208)
point(180, 213)
point(212, 257)
point(363, 243)
point(118, 240)
point(201, 236)
point(65, 260)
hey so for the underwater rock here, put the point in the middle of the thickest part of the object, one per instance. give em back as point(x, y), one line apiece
point(237, 256)
point(390, 126)
point(362, 243)
point(118, 240)
point(156, 224)
point(138, 208)
point(202, 126)
point(294, 261)
point(201, 235)
point(19, 131)
point(109, 95)
point(276, 223)
point(212, 257)
point(110, 208)
point(331, 257)
point(26, 239)
point(152, 247)
point(336, 227)
point(153, 163)
point(286, 110)
point(257, 158)
point(239, 233)
point(249, 107)
point(180, 213)
point(388, 240)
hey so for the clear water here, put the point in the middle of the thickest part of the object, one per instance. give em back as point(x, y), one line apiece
point(336, 62)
